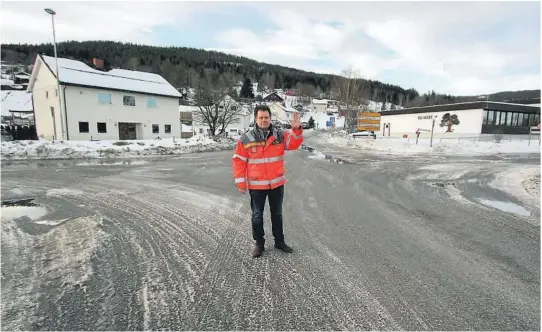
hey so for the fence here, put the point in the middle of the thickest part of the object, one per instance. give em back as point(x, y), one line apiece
point(496, 138)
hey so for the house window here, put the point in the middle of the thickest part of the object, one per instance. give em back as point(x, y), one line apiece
point(167, 129)
point(102, 127)
point(104, 98)
point(128, 100)
point(152, 103)
point(83, 127)
point(155, 129)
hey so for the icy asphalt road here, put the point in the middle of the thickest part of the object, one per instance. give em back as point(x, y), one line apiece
point(381, 244)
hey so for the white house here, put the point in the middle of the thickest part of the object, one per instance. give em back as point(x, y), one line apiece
point(282, 114)
point(324, 106)
point(319, 105)
point(475, 118)
point(102, 105)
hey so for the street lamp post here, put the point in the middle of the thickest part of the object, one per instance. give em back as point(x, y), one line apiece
point(53, 13)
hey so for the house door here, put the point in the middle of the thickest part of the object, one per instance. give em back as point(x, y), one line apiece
point(127, 131)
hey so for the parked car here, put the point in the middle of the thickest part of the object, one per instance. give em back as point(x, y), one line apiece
point(363, 134)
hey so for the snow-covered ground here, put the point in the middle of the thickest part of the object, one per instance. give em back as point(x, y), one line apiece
point(43, 149)
point(404, 146)
point(522, 181)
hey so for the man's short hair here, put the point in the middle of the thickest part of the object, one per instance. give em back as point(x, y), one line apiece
point(263, 108)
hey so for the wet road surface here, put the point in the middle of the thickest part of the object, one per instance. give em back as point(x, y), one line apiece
point(380, 243)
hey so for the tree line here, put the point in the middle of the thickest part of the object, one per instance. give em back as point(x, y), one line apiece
point(189, 67)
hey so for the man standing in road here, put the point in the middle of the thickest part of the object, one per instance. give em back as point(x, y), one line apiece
point(258, 166)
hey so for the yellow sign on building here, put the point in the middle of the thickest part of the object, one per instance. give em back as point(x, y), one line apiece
point(369, 121)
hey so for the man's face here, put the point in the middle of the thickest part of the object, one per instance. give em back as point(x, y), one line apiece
point(263, 120)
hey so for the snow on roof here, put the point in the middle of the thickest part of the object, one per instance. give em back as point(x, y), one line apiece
point(272, 93)
point(15, 101)
point(319, 101)
point(505, 103)
point(76, 72)
point(186, 108)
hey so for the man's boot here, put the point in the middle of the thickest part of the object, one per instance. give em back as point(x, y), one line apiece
point(283, 246)
point(258, 250)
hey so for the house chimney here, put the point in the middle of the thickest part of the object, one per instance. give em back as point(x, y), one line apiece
point(98, 63)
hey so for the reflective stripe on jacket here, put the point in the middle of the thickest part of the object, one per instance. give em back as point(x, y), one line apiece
point(258, 163)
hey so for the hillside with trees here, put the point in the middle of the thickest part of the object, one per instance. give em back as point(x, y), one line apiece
point(188, 67)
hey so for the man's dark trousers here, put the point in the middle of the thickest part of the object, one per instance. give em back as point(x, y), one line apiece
point(257, 204)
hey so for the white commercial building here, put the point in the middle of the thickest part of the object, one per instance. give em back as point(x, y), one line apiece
point(101, 105)
point(466, 119)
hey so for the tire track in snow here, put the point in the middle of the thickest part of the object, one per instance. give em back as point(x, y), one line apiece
point(165, 210)
point(386, 246)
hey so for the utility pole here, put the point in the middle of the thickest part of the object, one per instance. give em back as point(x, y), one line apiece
point(432, 127)
point(62, 117)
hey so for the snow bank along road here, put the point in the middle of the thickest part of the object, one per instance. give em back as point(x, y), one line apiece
point(165, 244)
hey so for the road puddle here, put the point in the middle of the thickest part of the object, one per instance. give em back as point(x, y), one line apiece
point(14, 209)
point(443, 184)
point(506, 207)
point(102, 162)
point(19, 202)
point(322, 156)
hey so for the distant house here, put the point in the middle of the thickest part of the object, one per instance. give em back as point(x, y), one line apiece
point(327, 106)
point(17, 108)
point(319, 105)
point(9, 82)
point(282, 114)
point(21, 77)
point(273, 98)
point(104, 105)
point(291, 92)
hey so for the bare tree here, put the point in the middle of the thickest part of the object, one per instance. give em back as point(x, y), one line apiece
point(349, 91)
point(216, 109)
point(261, 86)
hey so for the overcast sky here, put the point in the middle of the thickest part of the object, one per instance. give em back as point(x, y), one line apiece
point(460, 48)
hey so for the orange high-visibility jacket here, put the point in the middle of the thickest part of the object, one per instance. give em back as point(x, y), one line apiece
point(258, 163)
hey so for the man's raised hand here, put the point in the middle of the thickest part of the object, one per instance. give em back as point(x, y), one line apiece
point(295, 122)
